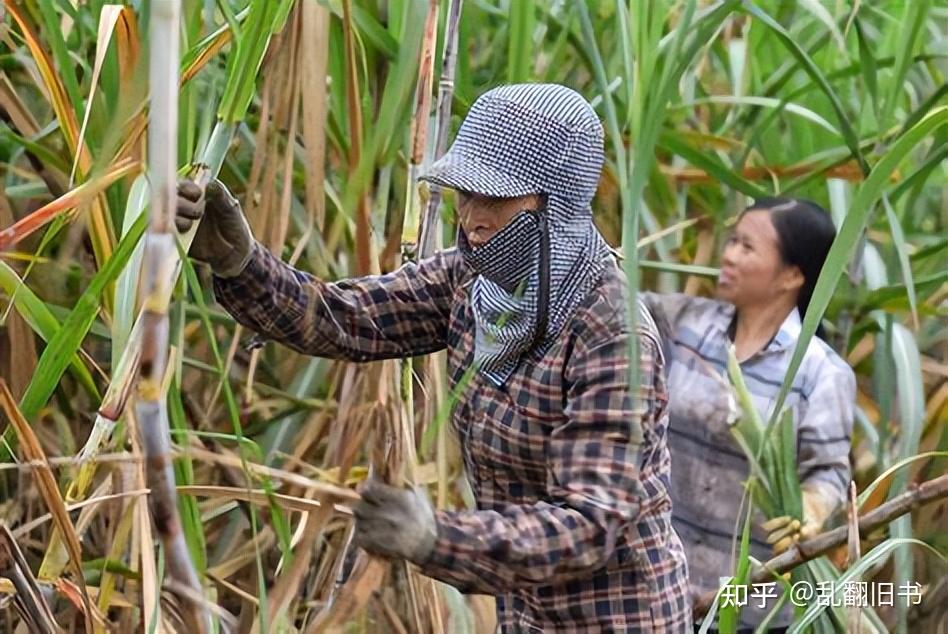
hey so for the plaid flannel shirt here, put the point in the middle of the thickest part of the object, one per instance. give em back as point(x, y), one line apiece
point(572, 531)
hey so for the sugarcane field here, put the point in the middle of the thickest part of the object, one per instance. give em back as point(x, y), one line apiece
point(473, 316)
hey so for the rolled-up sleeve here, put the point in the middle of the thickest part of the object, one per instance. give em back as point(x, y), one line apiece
point(400, 314)
point(825, 430)
point(594, 485)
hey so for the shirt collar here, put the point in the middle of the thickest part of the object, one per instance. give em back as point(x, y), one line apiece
point(789, 331)
point(786, 336)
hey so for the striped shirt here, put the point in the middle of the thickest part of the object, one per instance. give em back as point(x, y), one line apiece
point(572, 531)
point(709, 467)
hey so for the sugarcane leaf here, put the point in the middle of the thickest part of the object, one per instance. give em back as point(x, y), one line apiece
point(706, 161)
point(790, 495)
point(730, 614)
point(882, 477)
point(849, 235)
point(63, 346)
point(41, 319)
point(849, 134)
point(521, 19)
point(280, 523)
point(125, 306)
point(868, 67)
point(48, 489)
point(912, 21)
point(901, 250)
point(910, 390)
point(191, 524)
point(264, 19)
point(855, 571)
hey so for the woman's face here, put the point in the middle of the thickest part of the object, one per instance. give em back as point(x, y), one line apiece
point(481, 216)
point(752, 269)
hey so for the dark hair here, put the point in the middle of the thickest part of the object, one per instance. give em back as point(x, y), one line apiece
point(805, 233)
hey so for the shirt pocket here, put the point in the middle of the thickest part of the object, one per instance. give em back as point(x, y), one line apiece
point(509, 449)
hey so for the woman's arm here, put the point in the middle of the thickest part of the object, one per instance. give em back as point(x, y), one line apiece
point(670, 306)
point(401, 314)
point(595, 489)
point(825, 431)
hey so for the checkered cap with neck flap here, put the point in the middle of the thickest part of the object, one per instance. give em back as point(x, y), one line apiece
point(518, 140)
point(525, 139)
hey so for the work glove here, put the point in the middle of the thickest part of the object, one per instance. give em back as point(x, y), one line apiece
point(223, 238)
point(395, 523)
point(784, 531)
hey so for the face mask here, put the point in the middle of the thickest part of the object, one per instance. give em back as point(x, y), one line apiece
point(511, 255)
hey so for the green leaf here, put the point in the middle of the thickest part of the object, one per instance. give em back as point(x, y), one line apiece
point(817, 10)
point(859, 568)
point(520, 50)
point(707, 161)
point(850, 234)
point(384, 139)
point(849, 134)
point(41, 319)
point(791, 502)
point(64, 61)
point(868, 67)
point(911, 25)
point(684, 269)
point(890, 296)
point(265, 19)
point(921, 174)
point(766, 102)
point(64, 345)
point(910, 392)
point(730, 614)
point(277, 516)
point(901, 250)
point(125, 309)
point(867, 492)
point(191, 524)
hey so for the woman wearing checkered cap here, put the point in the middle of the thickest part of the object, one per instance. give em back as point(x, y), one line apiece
point(568, 464)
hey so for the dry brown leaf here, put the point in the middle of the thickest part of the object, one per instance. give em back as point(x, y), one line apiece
point(28, 600)
point(46, 483)
point(288, 584)
point(258, 496)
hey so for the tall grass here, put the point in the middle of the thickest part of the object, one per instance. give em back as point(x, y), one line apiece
point(320, 115)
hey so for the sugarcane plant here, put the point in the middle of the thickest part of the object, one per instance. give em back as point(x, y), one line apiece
point(319, 115)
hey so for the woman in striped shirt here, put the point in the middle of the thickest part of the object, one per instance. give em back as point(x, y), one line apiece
point(769, 268)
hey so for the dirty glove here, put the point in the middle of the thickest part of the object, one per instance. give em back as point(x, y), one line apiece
point(223, 238)
point(783, 532)
point(395, 523)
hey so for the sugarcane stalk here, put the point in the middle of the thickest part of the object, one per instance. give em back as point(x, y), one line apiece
point(425, 603)
point(926, 493)
point(430, 232)
point(368, 572)
point(408, 238)
point(364, 250)
point(350, 595)
point(125, 370)
point(419, 131)
point(159, 265)
point(393, 448)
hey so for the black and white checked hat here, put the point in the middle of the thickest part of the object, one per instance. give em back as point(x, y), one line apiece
point(525, 139)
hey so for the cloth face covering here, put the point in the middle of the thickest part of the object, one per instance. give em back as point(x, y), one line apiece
point(531, 275)
point(518, 140)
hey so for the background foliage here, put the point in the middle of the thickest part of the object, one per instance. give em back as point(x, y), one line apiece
point(309, 110)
